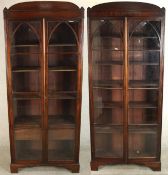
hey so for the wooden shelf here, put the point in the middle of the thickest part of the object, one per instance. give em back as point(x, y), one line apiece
point(108, 129)
point(143, 129)
point(141, 35)
point(131, 62)
point(108, 63)
point(101, 48)
point(26, 69)
point(107, 84)
point(62, 94)
point(27, 121)
point(25, 53)
point(26, 95)
point(26, 45)
point(143, 125)
point(54, 121)
point(143, 84)
point(62, 69)
point(114, 35)
point(108, 104)
point(106, 120)
point(63, 53)
point(143, 104)
point(61, 121)
point(107, 125)
point(147, 50)
point(62, 45)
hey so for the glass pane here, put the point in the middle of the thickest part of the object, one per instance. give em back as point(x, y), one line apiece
point(28, 144)
point(109, 142)
point(108, 116)
point(27, 124)
point(140, 42)
point(26, 81)
point(24, 61)
point(107, 34)
point(108, 76)
point(142, 97)
point(144, 71)
point(25, 37)
point(27, 113)
point(61, 144)
point(62, 88)
point(143, 75)
point(143, 106)
point(142, 142)
point(61, 112)
point(144, 53)
point(107, 54)
point(25, 66)
point(61, 134)
point(62, 60)
point(62, 81)
point(107, 84)
point(62, 37)
point(142, 115)
point(144, 35)
point(25, 56)
point(107, 57)
point(108, 106)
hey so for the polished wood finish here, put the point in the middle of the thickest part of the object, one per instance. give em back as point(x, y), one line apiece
point(44, 42)
point(136, 9)
point(126, 53)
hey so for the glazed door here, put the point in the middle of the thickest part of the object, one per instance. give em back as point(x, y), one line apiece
point(144, 59)
point(107, 87)
point(62, 79)
point(26, 93)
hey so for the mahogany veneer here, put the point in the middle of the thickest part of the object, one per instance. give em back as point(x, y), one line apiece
point(126, 43)
point(44, 79)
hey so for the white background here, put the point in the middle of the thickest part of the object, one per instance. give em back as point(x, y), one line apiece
point(85, 130)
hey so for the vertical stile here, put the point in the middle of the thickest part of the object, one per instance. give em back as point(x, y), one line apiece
point(161, 66)
point(125, 137)
point(44, 128)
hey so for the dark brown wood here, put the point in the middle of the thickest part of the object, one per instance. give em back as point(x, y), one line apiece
point(105, 61)
point(155, 166)
point(91, 111)
point(45, 94)
point(45, 8)
point(65, 10)
point(38, 99)
point(137, 9)
point(74, 168)
point(9, 88)
point(125, 138)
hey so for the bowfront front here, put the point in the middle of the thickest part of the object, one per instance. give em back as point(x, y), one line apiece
point(44, 75)
point(125, 83)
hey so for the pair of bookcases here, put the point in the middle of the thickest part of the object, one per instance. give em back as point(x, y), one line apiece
point(44, 79)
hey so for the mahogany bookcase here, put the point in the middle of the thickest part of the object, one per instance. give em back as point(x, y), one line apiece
point(44, 81)
point(126, 44)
